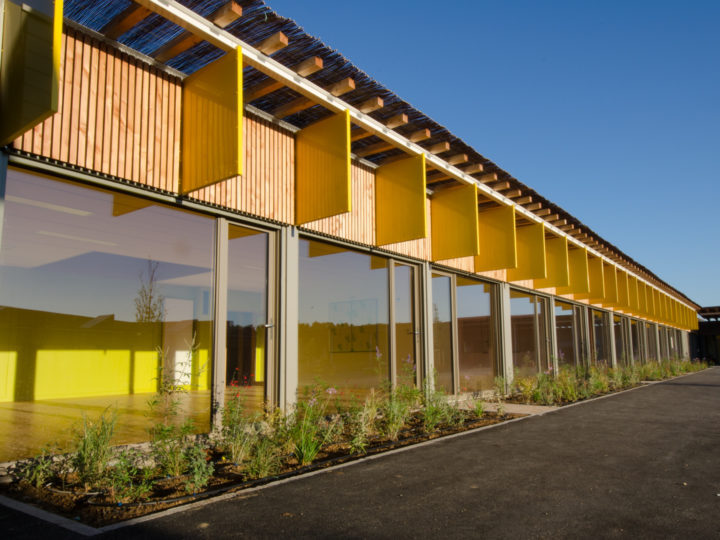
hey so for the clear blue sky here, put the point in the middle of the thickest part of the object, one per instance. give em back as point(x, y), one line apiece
point(609, 108)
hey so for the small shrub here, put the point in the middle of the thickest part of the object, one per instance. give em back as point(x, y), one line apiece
point(238, 431)
point(264, 458)
point(128, 480)
point(395, 413)
point(361, 423)
point(92, 450)
point(479, 408)
point(39, 470)
point(199, 468)
point(310, 430)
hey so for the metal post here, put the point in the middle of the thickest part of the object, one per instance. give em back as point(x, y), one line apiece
point(289, 297)
point(504, 316)
point(613, 355)
point(220, 319)
point(553, 336)
point(428, 361)
point(3, 182)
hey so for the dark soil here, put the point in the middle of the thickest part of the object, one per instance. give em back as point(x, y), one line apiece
point(99, 508)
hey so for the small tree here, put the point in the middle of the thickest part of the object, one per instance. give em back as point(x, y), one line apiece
point(149, 303)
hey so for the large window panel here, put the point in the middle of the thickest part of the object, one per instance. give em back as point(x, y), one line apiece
point(635, 337)
point(621, 349)
point(529, 333)
point(476, 335)
point(565, 329)
point(102, 295)
point(343, 318)
point(599, 337)
point(247, 315)
point(406, 331)
point(442, 332)
point(650, 339)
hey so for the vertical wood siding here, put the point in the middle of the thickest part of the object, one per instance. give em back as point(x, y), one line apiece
point(267, 188)
point(466, 264)
point(116, 115)
point(357, 225)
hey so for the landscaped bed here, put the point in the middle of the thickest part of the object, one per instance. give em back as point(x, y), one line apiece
point(96, 483)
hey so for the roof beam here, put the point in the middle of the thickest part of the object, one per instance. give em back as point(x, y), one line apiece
point(222, 17)
point(125, 20)
point(393, 121)
point(304, 68)
point(303, 103)
point(523, 200)
point(533, 206)
point(499, 186)
point(439, 148)
point(487, 178)
point(419, 135)
point(512, 193)
point(370, 105)
point(272, 44)
point(457, 159)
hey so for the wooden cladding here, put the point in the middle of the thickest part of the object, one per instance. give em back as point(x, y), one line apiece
point(116, 116)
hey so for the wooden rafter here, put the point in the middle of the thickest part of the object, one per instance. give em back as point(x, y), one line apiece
point(304, 68)
point(419, 135)
point(457, 159)
point(223, 16)
point(523, 200)
point(272, 44)
point(125, 20)
point(533, 206)
point(543, 212)
point(370, 105)
point(303, 103)
point(487, 178)
point(439, 148)
point(499, 186)
point(359, 134)
point(511, 194)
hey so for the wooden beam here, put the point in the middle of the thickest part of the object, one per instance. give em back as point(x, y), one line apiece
point(370, 105)
point(498, 186)
point(567, 228)
point(513, 193)
point(419, 135)
point(534, 206)
point(397, 121)
point(302, 103)
point(359, 134)
point(552, 217)
point(487, 178)
point(439, 148)
point(523, 200)
point(272, 44)
point(376, 148)
point(473, 169)
point(559, 222)
point(543, 212)
point(304, 68)
point(125, 20)
point(223, 16)
point(457, 159)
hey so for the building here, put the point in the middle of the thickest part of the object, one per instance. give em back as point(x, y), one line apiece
point(201, 191)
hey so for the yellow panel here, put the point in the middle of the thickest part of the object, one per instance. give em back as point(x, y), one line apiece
point(633, 294)
point(531, 262)
point(498, 241)
point(145, 372)
point(212, 139)
point(201, 371)
point(597, 280)
point(656, 304)
point(30, 65)
point(611, 287)
point(70, 374)
point(623, 301)
point(322, 169)
point(642, 296)
point(578, 272)
point(8, 368)
point(558, 265)
point(454, 217)
point(400, 212)
point(260, 355)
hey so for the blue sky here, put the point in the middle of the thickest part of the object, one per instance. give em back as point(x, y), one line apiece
point(609, 108)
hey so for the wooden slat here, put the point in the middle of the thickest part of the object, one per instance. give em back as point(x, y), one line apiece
point(370, 105)
point(457, 159)
point(498, 186)
point(533, 206)
point(523, 200)
point(223, 16)
point(487, 178)
point(125, 20)
point(304, 68)
point(439, 148)
point(303, 103)
point(272, 44)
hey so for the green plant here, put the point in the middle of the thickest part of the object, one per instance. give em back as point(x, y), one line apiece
point(39, 470)
point(128, 480)
point(361, 422)
point(433, 411)
point(199, 468)
point(310, 430)
point(91, 448)
point(395, 410)
point(238, 431)
point(479, 408)
point(264, 458)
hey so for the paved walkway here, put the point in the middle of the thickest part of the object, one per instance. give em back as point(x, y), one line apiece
point(641, 464)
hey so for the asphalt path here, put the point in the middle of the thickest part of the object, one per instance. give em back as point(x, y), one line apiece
point(639, 464)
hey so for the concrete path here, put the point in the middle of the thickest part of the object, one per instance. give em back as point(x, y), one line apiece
point(641, 464)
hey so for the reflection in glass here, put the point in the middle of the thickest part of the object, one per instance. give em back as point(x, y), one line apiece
point(599, 338)
point(247, 314)
point(344, 317)
point(565, 332)
point(650, 339)
point(442, 332)
point(102, 295)
point(405, 325)
point(664, 352)
point(476, 335)
point(529, 333)
point(635, 337)
point(620, 346)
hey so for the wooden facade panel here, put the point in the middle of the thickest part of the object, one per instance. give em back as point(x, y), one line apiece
point(358, 224)
point(466, 264)
point(114, 116)
point(500, 275)
point(267, 187)
point(421, 248)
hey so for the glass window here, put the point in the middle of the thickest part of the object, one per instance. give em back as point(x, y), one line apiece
point(635, 337)
point(476, 335)
point(247, 314)
point(406, 333)
point(343, 318)
point(599, 337)
point(442, 332)
point(529, 333)
point(565, 332)
point(102, 295)
point(650, 339)
point(620, 345)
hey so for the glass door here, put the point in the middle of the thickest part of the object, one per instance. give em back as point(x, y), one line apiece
point(407, 331)
point(250, 362)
